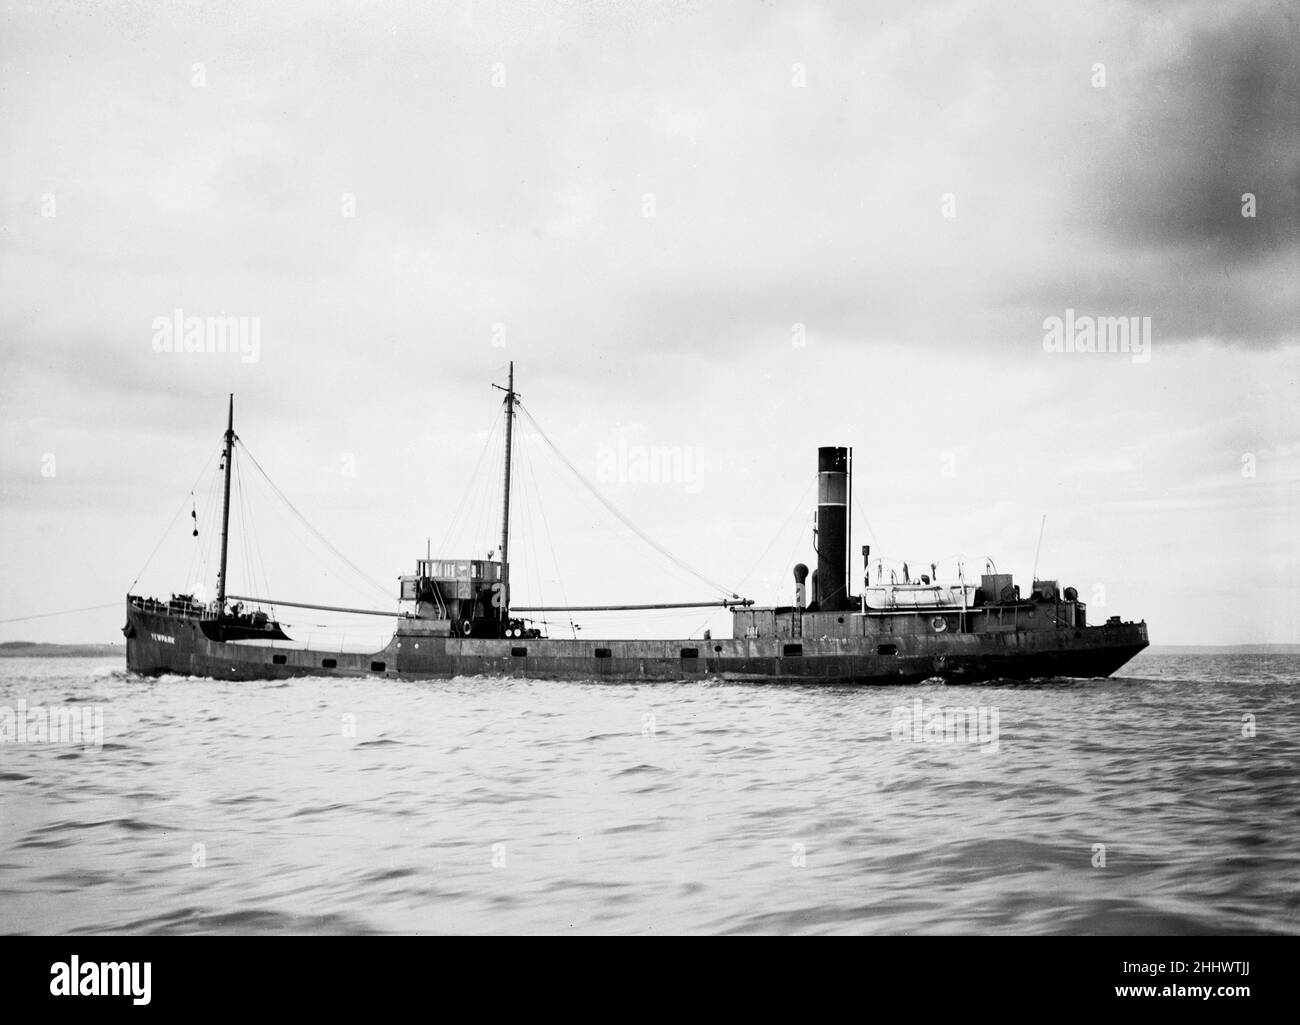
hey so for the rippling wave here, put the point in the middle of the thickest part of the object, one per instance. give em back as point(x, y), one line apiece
point(1167, 801)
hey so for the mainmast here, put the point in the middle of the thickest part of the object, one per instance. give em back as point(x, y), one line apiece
point(225, 508)
point(505, 499)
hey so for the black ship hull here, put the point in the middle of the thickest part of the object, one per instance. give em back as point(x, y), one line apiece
point(160, 642)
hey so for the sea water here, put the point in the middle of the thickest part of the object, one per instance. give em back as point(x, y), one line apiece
point(1166, 800)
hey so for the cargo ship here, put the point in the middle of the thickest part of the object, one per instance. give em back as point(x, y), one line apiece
point(455, 619)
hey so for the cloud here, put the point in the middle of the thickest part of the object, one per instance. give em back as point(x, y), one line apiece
point(1211, 117)
point(643, 213)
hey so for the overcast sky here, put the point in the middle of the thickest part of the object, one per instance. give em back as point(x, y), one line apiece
point(736, 231)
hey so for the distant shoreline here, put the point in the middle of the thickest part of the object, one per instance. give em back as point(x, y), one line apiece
point(1223, 649)
point(33, 649)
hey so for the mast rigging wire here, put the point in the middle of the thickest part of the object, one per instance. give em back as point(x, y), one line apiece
point(65, 612)
point(166, 530)
point(319, 536)
point(614, 511)
point(473, 485)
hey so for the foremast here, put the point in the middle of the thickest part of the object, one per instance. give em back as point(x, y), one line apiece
point(225, 507)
